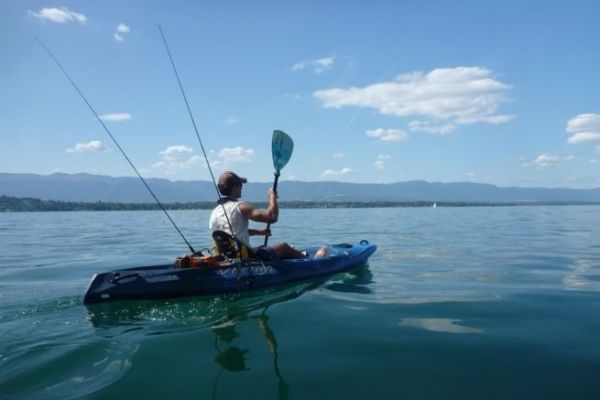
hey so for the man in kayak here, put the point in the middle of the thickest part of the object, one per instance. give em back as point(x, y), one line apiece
point(240, 212)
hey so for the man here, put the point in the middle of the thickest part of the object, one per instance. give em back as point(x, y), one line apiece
point(240, 212)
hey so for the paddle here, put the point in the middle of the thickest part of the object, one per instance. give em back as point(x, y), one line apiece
point(281, 147)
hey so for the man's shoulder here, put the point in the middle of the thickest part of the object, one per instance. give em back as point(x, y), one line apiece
point(244, 204)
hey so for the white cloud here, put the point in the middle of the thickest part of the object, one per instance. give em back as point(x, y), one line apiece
point(93, 146)
point(546, 160)
point(299, 66)
point(236, 154)
point(177, 157)
point(387, 135)
point(380, 162)
point(470, 174)
point(59, 15)
point(581, 137)
point(458, 96)
point(331, 173)
point(121, 30)
point(319, 65)
point(585, 128)
point(172, 152)
point(116, 117)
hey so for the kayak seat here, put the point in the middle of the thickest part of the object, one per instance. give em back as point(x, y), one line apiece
point(228, 246)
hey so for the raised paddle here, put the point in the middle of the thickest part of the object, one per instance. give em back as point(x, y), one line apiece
point(281, 147)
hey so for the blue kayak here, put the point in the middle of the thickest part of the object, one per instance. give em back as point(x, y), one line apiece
point(209, 277)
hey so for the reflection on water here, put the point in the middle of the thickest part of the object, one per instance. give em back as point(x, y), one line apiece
point(178, 315)
point(439, 325)
point(70, 362)
point(357, 281)
point(583, 275)
point(233, 358)
point(220, 314)
point(516, 286)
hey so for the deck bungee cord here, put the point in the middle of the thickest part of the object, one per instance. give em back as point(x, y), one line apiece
point(115, 141)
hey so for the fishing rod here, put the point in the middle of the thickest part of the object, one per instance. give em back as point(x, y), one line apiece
point(114, 140)
point(187, 104)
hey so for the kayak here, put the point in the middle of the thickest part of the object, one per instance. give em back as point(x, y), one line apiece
point(207, 276)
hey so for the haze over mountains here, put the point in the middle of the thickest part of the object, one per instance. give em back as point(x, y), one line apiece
point(93, 188)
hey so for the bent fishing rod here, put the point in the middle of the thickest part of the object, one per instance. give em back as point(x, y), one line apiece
point(187, 104)
point(114, 141)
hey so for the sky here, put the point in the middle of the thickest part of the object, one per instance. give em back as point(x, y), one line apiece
point(500, 92)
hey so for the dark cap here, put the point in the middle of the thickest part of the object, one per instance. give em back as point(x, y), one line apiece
point(228, 180)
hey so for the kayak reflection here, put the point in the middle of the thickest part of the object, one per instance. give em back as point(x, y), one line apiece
point(225, 317)
point(233, 358)
point(358, 282)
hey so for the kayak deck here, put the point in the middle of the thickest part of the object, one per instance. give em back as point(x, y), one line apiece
point(229, 276)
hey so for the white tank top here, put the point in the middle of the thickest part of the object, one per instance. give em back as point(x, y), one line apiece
point(239, 223)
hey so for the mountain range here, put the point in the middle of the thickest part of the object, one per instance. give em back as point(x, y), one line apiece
point(93, 188)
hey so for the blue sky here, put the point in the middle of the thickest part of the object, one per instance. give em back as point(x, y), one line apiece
point(503, 92)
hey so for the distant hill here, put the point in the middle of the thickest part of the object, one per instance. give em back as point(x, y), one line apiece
point(93, 188)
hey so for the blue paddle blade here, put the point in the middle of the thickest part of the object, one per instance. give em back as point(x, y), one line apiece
point(282, 147)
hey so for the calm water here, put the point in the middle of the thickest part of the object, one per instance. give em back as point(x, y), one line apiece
point(461, 303)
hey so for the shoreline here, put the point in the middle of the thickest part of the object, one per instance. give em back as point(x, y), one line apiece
point(16, 204)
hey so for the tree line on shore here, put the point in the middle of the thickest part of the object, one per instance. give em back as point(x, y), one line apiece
point(18, 204)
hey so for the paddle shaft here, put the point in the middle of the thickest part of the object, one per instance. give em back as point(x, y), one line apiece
point(275, 192)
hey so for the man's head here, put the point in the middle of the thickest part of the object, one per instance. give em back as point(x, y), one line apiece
point(229, 180)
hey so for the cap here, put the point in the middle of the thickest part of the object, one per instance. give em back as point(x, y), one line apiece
point(228, 180)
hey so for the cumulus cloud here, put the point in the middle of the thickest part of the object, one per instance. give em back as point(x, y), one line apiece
point(177, 157)
point(236, 154)
point(448, 96)
point(387, 135)
point(116, 117)
point(93, 146)
point(120, 32)
point(175, 151)
point(546, 160)
point(60, 15)
point(380, 162)
point(584, 128)
point(331, 173)
point(319, 66)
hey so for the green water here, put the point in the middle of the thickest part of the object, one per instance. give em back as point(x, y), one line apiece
point(456, 303)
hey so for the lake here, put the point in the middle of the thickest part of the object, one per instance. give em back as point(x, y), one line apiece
point(464, 303)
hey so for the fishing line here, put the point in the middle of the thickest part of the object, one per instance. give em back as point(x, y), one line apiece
point(114, 140)
point(187, 104)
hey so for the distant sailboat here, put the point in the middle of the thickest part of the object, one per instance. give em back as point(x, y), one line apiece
point(434, 205)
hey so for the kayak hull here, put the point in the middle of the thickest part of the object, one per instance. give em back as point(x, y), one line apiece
point(167, 281)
